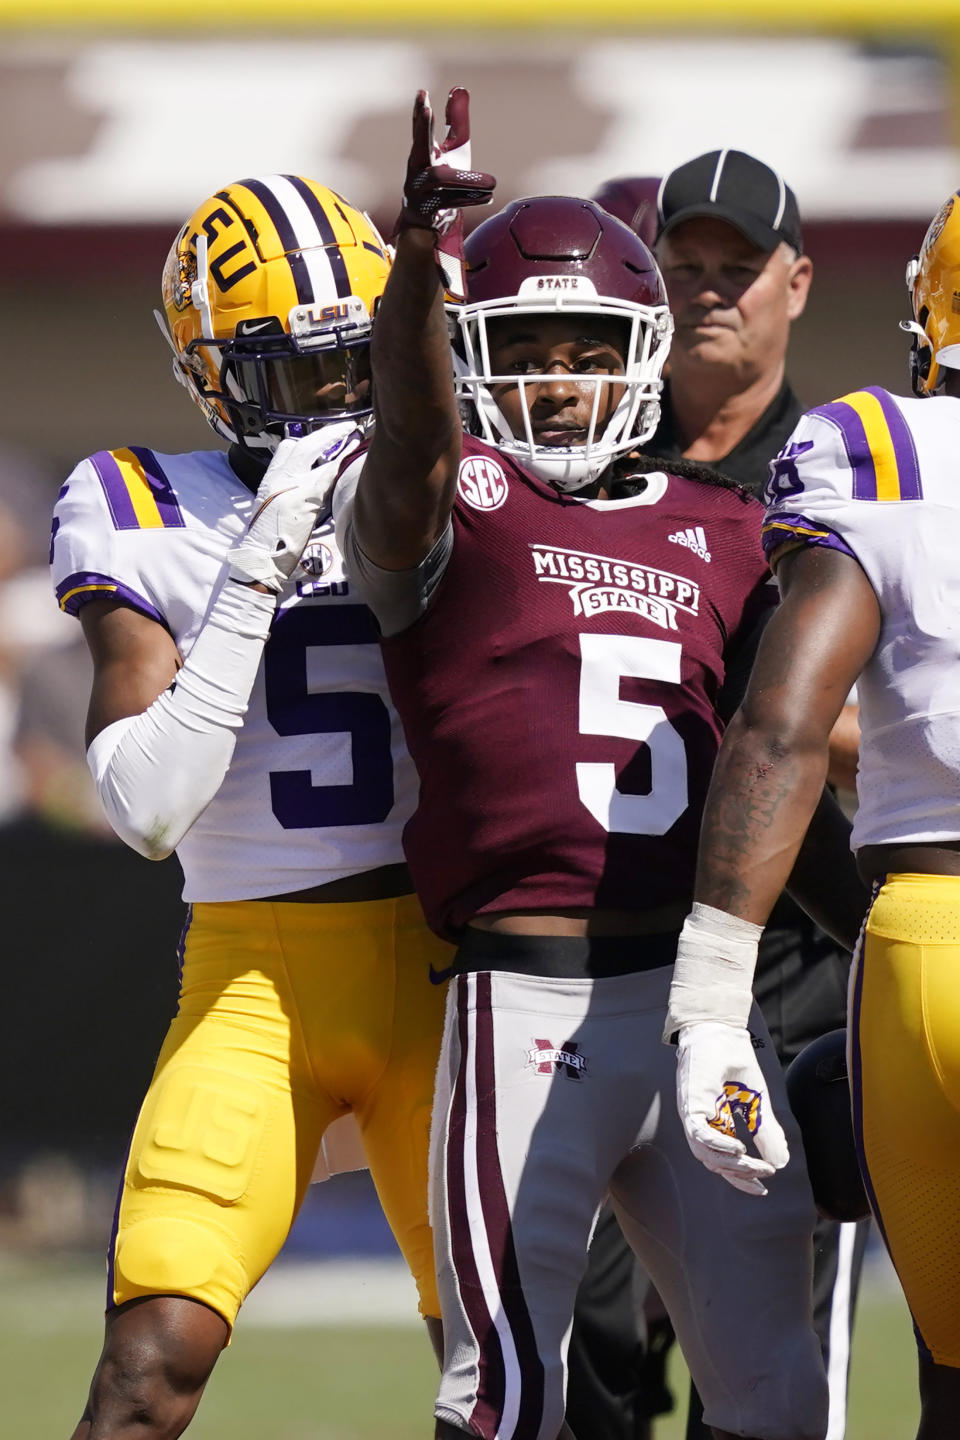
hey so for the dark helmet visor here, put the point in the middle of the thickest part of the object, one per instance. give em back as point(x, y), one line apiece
point(324, 383)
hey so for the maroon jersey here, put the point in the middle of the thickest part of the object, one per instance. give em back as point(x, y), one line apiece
point(559, 696)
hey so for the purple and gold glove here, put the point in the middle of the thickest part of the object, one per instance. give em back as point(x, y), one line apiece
point(440, 184)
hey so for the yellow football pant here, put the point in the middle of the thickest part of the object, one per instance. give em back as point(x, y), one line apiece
point(290, 1015)
point(905, 1073)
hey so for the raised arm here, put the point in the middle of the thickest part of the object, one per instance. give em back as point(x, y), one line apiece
point(405, 494)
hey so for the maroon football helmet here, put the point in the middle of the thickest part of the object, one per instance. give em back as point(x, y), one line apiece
point(633, 199)
point(555, 254)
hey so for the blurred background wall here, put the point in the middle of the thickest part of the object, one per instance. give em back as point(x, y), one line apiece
point(114, 123)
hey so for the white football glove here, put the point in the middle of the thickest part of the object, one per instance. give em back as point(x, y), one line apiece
point(718, 1078)
point(292, 493)
point(719, 1082)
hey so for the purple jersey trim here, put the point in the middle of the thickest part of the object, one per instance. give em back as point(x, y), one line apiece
point(904, 449)
point(844, 416)
point(163, 491)
point(117, 495)
point(84, 585)
point(845, 419)
point(793, 530)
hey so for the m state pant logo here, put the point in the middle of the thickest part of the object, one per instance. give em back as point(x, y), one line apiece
point(548, 1059)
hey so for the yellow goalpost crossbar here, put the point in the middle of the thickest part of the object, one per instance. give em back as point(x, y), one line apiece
point(856, 16)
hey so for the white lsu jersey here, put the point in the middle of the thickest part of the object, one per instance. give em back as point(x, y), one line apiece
point(320, 784)
point(877, 476)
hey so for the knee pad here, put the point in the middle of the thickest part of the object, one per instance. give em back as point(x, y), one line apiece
point(170, 1256)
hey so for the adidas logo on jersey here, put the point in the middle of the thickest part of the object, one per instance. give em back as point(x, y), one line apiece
point(694, 539)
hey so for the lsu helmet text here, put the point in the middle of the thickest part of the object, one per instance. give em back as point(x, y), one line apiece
point(933, 282)
point(269, 292)
point(553, 254)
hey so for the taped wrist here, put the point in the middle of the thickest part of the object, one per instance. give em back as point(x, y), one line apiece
point(713, 973)
point(156, 772)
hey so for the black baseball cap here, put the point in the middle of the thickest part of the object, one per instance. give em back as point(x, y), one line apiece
point(733, 186)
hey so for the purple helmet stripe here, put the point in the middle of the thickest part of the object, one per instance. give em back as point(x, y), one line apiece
point(497, 1223)
point(904, 448)
point(490, 1387)
point(163, 492)
point(117, 495)
point(845, 419)
point(287, 236)
point(337, 264)
point(84, 585)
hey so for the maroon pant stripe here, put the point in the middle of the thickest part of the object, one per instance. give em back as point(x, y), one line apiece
point(497, 1223)
point(490, 1389)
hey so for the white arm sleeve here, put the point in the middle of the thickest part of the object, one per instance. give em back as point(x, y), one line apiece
point(156, 772)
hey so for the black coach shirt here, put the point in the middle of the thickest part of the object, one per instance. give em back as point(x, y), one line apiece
point(748, 461)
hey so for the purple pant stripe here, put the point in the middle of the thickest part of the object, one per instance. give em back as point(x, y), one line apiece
point(497, 1223)
point(856, 1094)
point(904, 449)
point(490, 1388)
point(181, 952)
point(115, 1228)
point(848, 422)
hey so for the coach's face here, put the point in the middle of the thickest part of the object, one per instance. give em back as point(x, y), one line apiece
point(732, 302)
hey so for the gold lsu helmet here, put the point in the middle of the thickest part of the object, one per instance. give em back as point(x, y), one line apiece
point(269, 293)
point(933, 282)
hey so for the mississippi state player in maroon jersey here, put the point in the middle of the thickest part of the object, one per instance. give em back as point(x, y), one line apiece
point(558, 658)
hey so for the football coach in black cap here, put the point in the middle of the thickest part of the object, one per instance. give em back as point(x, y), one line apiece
point(730, 246)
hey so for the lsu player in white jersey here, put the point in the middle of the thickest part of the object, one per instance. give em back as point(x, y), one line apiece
point(239, 715)
point(863, 529)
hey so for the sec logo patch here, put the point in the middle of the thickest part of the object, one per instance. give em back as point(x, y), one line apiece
point(482, 483)
point(317, 559)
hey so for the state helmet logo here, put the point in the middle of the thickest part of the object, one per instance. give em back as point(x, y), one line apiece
point(482, 483)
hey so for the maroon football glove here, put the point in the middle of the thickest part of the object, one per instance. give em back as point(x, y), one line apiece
point(436, 188)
